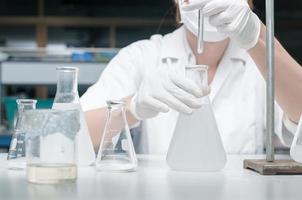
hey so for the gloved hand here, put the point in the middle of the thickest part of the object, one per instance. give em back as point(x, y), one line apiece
point(233, 17)
point(161, 91)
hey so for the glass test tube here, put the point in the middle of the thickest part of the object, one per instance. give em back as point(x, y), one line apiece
point(200, 32)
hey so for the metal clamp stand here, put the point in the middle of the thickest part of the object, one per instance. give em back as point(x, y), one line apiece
point(271, 166)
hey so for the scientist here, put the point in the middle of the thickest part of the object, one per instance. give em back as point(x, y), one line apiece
point(235, 52)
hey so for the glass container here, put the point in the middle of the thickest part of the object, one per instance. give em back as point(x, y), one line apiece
point(67, 97)
point(16, 154)
point(116, 152)
point(51, 145)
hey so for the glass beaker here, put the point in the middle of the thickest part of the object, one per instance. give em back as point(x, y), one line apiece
point(51, 145)
point(67, 97)
point(296, 147)
point(16, 154)
point(116, 152)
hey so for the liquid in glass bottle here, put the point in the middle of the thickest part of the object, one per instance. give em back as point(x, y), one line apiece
point(51, 155)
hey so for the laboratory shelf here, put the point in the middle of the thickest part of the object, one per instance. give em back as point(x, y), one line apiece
point(44, 73)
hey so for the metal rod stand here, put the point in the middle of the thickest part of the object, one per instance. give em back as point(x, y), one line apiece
point(270, 80)
point(270, 166)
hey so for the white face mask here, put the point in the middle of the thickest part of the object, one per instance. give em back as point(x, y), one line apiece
point(190, 20)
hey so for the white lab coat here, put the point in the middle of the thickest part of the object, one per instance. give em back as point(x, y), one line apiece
point(237, 94)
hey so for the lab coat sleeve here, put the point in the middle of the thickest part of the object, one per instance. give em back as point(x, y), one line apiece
point(284, 127)
point(118, 80)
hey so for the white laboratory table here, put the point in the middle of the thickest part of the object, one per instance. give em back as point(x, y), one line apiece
point(154, 180)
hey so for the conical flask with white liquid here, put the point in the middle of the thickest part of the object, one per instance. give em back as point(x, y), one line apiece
point(67, 97)
point(196, 143)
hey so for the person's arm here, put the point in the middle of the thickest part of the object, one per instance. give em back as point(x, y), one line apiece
point(288, 76)
point(96, 121)
point(243, 26)
point(117, 82)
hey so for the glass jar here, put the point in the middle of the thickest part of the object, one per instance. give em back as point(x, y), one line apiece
point(51, 145)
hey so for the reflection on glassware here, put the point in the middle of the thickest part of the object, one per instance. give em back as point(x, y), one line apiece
point(67, 97)
point(16, 153)
point(116, 152)
point(57, 191)
point(51, 145)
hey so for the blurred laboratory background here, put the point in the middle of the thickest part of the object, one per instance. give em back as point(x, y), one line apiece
point(36, 36)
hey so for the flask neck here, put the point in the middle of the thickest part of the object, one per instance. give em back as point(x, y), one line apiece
point(198, 73)
point(113, 105)
point(67, 80)
point(23, 105)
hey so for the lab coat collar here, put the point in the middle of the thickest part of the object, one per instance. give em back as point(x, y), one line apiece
point(232, 54)
point(173, 46)
point(236, 53)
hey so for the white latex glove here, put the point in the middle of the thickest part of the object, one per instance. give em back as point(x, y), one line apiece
point(233, 17)
point(161, 91)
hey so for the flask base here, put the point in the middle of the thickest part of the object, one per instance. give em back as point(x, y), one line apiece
point(115, 166)
point(51, 173)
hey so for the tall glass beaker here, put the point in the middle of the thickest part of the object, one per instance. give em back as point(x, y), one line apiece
point(16, 154)
point(116, 152)
point(51, 145)
point(67, 97)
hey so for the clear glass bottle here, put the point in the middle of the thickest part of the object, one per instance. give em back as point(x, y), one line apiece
point(67, 97)
point(16, 154)
point(296, 147)
point(116, 152)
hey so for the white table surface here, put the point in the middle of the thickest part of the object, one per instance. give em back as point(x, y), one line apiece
point(154, 180)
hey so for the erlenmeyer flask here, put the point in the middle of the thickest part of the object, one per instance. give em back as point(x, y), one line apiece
point(196, 144)
point(16, 155)
point(116, 152)
point(296, 147)
point(67, 97)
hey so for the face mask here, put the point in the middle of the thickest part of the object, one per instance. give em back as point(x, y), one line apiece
point(190, 20)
